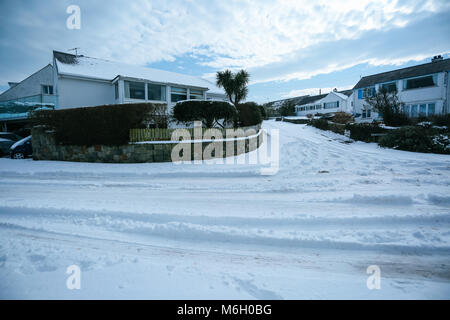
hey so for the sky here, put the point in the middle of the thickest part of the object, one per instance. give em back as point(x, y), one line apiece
point(290, 48)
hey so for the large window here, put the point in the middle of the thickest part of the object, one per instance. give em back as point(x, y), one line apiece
point(431, 109)
point(196, 94)
point(331, 105)
point(135, 90)
point(390, 87)
point(156, 92)
point(178, 94)
point(415, 110)
point(422, 82)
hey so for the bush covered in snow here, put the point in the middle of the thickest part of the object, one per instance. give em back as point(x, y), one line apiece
point(418, 139)
point(102, 125)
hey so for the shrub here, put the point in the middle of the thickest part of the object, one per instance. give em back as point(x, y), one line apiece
point(408, 138)
point(262, 109)
point(320, 124)
point(363, 131)
point(342, 118)
point(417, 139)
point(209, 112)
point(249, 114)
point(442, 120)
point(102, 125)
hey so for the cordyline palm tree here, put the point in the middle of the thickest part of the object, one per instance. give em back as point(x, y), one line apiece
point(235, 85)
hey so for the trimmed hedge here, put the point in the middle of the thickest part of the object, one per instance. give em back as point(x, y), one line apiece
point(102, 125)
point(249, 114)
point(321, 124)
point(417, 139)
point(209, 112)
point(363, 131)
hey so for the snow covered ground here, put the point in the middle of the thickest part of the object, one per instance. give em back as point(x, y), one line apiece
point(165, 231)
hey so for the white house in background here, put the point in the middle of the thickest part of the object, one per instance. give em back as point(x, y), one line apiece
point(325, 103)
point(424, 89)
point(81, 81)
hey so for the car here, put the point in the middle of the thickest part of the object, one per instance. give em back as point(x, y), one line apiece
point(5, 145)
point(21, 149)
point(10, 136)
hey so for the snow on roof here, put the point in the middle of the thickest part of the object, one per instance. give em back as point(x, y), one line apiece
point(72, 65)
point(340, 95)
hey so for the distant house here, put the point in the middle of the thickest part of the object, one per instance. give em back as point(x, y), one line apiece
point(325, 103)
point(84, 81)
point(34, 92)
point(424, 89)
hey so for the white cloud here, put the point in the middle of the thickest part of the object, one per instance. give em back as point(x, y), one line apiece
point(252, 34)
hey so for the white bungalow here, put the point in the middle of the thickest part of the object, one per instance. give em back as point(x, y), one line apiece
point(325, 104)
point(84, 81)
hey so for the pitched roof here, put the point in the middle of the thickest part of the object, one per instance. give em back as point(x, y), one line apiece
point(409, 72)
point(70, 64)
point(301, 100)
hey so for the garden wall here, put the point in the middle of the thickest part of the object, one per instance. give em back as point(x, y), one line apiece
point(45, 148)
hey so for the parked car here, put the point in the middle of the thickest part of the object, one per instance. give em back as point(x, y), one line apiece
point(10, 136)
point(21, 149)
point(5, 145)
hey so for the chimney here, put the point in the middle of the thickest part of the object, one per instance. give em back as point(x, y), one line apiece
point(437, 58)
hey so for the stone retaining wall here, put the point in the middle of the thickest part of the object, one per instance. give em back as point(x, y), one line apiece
point(46, 148)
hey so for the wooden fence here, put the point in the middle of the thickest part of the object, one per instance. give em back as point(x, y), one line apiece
point(142, 135)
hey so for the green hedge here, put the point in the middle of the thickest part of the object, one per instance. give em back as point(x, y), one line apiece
point(249, 114)
point(321, 124)
point(102, 125)
point(363, 131)
point(209, 112)
point(417, 139)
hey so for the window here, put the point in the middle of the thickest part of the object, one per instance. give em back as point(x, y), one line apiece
point(116, 90)
point(318, 106)
point(369, 113)
point(178, 94)
point(364, 114)
point(431, 109)
point(414, 111)
point(422, 82)
point(47, 89)
point(331, 105)
point(196, 94)
point(390, 87)
point(366, 92)
point(135, 90)
point(423, 110)
point(156, 92)
point(406, 109)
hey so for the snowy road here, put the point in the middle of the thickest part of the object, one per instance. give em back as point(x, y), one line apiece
point(162, 231)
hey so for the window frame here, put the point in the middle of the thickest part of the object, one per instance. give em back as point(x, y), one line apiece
point(129, 91)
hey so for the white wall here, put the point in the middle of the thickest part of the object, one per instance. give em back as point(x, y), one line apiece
point(84, 93)
point(331, 97)
point(31, 86)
